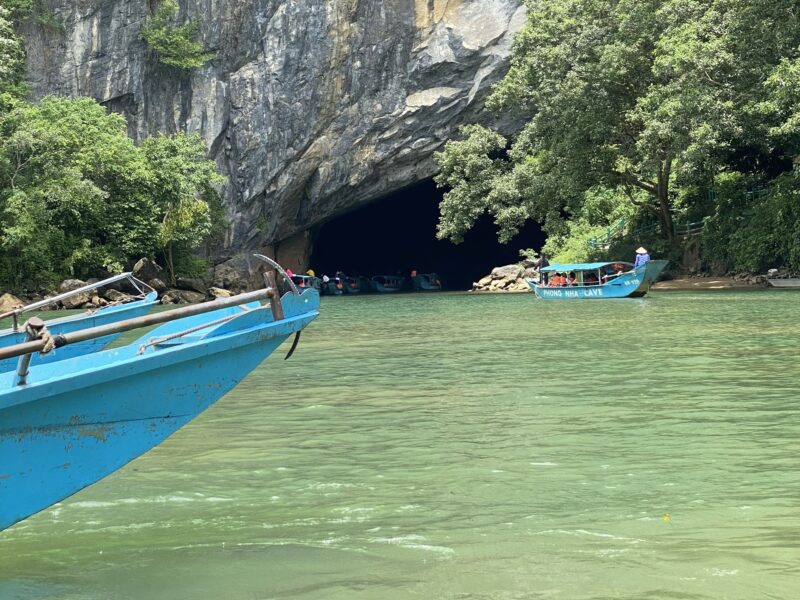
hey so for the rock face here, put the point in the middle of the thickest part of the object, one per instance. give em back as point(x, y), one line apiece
point(508, 278)
point(310, 108)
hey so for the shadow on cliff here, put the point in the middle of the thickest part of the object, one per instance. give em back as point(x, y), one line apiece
point(398, 233)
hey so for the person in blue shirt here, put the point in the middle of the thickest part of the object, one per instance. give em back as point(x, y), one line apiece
point(641, 257)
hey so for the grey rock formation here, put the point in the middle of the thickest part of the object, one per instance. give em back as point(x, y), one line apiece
point(310, 108)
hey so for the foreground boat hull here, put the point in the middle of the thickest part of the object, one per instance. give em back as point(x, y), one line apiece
point(64, 325)
point(59, 436)
point(633, 284)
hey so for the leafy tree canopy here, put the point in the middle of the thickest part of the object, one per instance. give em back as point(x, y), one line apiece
point(78, 196)
point(173, 44)
point(643, 98)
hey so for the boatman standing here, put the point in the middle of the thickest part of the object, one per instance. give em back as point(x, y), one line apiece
point(641, 257)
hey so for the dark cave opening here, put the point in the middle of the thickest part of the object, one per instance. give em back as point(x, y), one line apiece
point(397, 234)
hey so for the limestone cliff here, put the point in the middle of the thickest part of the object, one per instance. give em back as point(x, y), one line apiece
point(310, 107)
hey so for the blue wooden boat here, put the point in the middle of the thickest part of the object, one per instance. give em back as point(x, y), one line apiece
point(333, 287)
point(427, 282)
point(72, 422)
point(387, 284)
point(305, 282)
point(355, 285)
point(596, 280)
point(109, 314)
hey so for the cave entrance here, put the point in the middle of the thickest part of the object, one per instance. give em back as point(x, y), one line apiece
point(398, 233)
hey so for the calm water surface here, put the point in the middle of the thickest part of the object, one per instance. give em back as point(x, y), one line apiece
point(465, 447)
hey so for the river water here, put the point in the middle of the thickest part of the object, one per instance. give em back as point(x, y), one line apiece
point(464, 447)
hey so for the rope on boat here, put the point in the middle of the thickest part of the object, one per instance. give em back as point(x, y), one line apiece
point(166, 338)
point(37, 330)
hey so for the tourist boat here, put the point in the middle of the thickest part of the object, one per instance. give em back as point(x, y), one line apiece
point(305, 282)
point(785, 283)
point(138, 306)
point(427, 282)
point(386, 284)
point(333, 287)
point(597, 280)
point(356, 285)
point(67, 424)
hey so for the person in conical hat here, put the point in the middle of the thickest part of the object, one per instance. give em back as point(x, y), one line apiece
point(641, 257)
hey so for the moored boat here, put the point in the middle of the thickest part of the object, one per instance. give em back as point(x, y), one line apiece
point(333, 287)
point(596, 280)
point(427, 282)
point(356, 285)
point(785, 283)
point(67, 424)
point(140, 304)
point(387, 284)
point(305, 282)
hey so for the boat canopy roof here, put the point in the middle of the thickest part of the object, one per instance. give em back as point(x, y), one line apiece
point(582, 266)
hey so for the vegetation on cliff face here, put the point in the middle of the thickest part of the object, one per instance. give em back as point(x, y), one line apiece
point(173, 44)
point(659, 112)
point(78, 197)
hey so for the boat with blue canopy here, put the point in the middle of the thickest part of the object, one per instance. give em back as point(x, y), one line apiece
point(138, 305)
point(356, 285)
point(304, 282)
point(333, 287)
point(387, 284)
point(615, 279)
point(427, 282)
point(65, 425)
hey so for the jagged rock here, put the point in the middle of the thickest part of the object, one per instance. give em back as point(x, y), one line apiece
point(9, 302)
point(145, 269)
point(70, 284)
point(530, 272)
point(78, 300)
point(183, 297)
point(196, 285)
point(484, 281)
point(310, 108)
point(98, 302)
point(117, 296)
point(158, 285)
point(219, 292)
point(512, 271)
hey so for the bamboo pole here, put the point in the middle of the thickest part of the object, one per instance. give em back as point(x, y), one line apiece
point(136, 323)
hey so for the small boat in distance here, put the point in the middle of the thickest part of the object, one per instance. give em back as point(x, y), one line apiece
point(596, 280)
point(139, 305)
point(356, 285)
point(427, 282)
point(387, 284)
point(68, 424)
point(305, 282)
point(333, 287)
point(785, 283)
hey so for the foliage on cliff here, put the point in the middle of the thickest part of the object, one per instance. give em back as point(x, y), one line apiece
point(646, 103)
point(77, 196)
point(173, 44)
point(12, 60)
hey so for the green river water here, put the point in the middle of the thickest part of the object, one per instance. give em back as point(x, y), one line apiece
point(464, 447)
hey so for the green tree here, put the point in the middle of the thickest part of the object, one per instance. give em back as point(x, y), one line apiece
point(12, 62)
point(183, 191)
point(632, 95)
point(174, 44)
point(77, 196)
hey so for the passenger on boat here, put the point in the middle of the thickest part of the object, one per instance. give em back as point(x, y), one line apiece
point(571, 281)
point(642, 257)
point(590, 279)
point(311, 272)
